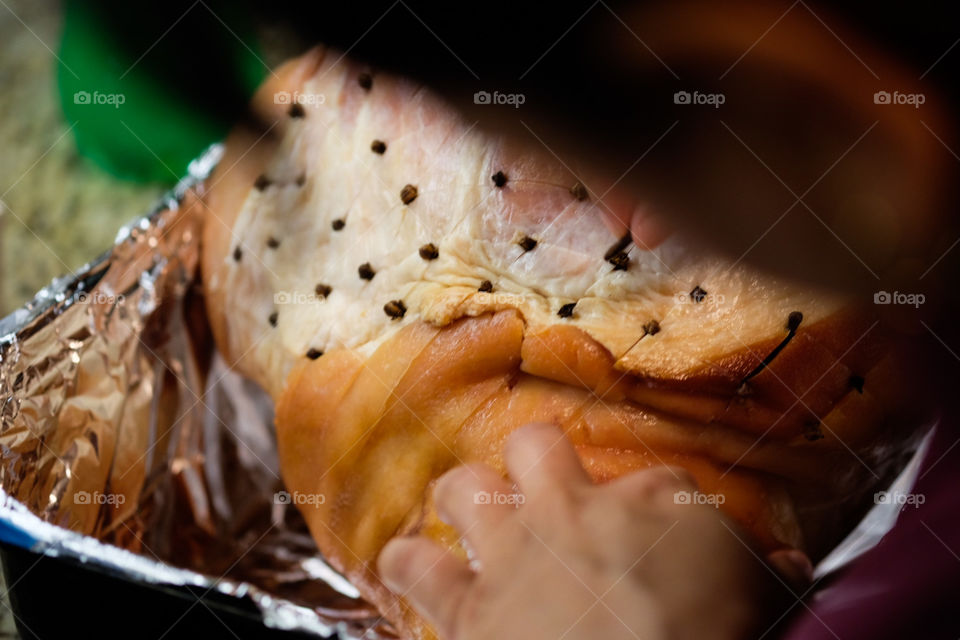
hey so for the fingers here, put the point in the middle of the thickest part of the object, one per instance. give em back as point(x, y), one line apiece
point(475, 500)
point(657, 485)
point(794, 566)
point(540, 459)
point(647, 229)
point(623, 213)
point(431, 579)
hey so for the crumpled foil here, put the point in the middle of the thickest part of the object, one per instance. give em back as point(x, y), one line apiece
point(126, 441)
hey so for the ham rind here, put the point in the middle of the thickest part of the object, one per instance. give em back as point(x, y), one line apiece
point(306, 173)
point(410, 289)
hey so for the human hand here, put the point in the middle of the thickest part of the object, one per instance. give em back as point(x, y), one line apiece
point(558, 556)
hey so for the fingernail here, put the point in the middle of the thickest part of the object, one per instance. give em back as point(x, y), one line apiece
point(793, 564)
point(683, 474)
point(647, 228)
point(801, 562)
point(384, 570)
point(530, 426)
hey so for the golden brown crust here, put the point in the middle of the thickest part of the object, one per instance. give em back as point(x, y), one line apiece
point(788, 439)
point(373, 434)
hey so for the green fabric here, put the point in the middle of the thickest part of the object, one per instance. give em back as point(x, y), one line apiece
point(147, 88)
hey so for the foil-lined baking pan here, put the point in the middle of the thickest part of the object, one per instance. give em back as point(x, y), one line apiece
point(128, 445)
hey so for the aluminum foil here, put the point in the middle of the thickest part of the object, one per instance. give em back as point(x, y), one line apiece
point(126, 441)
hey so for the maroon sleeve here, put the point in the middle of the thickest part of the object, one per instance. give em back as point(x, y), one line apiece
point(908, 586)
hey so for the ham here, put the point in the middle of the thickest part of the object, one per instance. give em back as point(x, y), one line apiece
point(410, 289)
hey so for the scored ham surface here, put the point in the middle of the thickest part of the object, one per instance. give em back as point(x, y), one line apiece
point(410, 289)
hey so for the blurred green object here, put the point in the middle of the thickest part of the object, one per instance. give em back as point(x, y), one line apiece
point(147, 86)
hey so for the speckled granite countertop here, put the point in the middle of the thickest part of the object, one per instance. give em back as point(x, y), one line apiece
point(56, 210)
